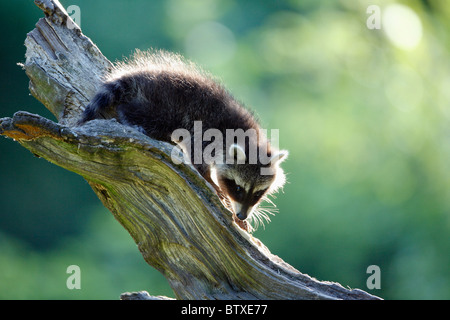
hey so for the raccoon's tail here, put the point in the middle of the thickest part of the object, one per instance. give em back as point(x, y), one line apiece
point(105, 102)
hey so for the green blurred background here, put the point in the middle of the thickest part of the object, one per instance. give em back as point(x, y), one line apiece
point(364, 113)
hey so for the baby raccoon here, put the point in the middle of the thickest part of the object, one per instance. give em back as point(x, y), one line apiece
point(160, 93)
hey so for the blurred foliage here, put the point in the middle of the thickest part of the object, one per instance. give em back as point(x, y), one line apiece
point(364, 113)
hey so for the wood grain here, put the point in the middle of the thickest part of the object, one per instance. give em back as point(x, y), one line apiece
point(174, 216)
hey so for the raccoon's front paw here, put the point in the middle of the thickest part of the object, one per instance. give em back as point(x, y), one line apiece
point(244, 225)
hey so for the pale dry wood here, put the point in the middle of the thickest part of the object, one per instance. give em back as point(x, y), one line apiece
point(172, 213)
point(64, 66)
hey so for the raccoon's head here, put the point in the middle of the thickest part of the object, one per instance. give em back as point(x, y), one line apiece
point(245, 184)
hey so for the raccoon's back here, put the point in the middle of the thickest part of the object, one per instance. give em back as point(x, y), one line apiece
point(160, 92)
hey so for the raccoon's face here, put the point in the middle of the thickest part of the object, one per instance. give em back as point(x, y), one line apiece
point(244, 185)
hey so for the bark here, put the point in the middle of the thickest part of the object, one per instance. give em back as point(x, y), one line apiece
point(174, 216)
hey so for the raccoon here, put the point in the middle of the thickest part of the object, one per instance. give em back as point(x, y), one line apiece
point(158, 92)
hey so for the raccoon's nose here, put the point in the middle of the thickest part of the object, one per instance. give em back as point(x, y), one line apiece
point(242, 211)
point(242, 215)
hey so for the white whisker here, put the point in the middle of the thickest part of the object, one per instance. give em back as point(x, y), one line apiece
point(260, 214)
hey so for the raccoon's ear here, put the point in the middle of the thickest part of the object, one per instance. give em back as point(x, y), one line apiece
point(236, 152)
point(279, 157)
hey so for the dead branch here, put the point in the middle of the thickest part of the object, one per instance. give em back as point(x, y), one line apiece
point(172, 213)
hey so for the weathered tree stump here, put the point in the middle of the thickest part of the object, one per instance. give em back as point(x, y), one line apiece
point(174, 216)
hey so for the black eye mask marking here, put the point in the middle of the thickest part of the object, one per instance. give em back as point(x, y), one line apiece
point(258, 194)
point(238, 193)
point(235, 191)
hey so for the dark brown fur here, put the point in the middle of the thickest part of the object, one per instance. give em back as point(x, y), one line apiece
point(159, 92)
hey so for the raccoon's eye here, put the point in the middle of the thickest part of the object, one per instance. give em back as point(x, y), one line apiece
point(258, 194)
point(235, 190)
point(239, 193)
